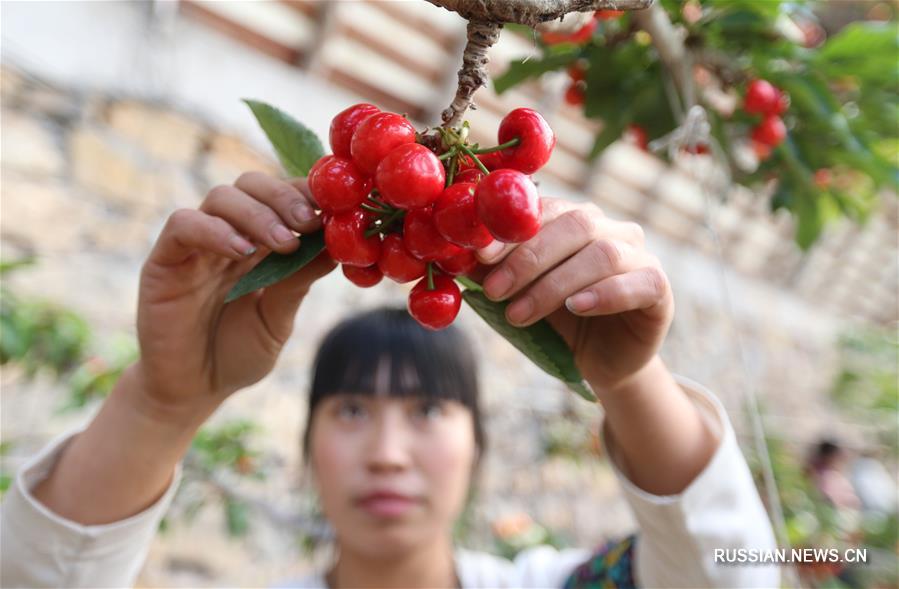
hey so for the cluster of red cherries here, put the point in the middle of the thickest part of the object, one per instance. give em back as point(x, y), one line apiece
point(765, 99)
point(398, 204)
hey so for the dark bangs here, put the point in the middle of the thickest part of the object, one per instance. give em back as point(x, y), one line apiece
point(386, 352)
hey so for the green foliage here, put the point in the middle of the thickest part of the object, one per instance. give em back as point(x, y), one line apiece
point(539, 342)
point(844, 97)
point(867, 385)
point(227, 446)
point(297, 147)
point(276, 267)
point(38, 335)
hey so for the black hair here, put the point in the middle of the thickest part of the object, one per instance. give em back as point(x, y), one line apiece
point(386, 352)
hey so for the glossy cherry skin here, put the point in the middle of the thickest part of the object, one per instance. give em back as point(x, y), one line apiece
point(338, 186)
point(436, 308)
point(536, 140)
point(364, 277)
point(346, 242)
point(456, 217)
point(460, 264)
point(422, 239)
point(377, 136)
point(410, 177)
point(771, 131)
point(344, 124)
point(762, 98)
point(509, 206)
point(472, 175)
point(397, 263)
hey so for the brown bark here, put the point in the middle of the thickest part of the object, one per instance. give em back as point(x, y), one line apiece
point(532, 12)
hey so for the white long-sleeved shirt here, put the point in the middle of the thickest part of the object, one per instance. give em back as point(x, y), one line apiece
point(675, 545)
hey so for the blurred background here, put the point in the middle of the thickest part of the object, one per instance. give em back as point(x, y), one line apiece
point(114, 114)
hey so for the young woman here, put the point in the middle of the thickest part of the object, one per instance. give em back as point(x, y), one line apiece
point(394, 433)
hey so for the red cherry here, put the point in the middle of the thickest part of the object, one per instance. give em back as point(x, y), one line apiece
point(783, 103)
point(338, 186)
point(346, 242)
point(823, 178)
point(421, 237)
point(574, 95)
point(364, 277)
point(397, 263)
point(456, 217)
point(771, 131)
point(638, 136)
point(577, 72)
point(344, 124)
point(761, 150)
point(472, 175)
point(492, 161)
point(762, 97)
point(580, 36)
point(436, 308)
point(318, 164)
point(536, 140)
point(377, 136)
point(410, 176)
point(462, 263)
point(509, 206)
point(608, 14)
point(698, 149)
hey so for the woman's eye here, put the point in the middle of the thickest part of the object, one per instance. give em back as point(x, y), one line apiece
point(350, 409)
point(430, 409)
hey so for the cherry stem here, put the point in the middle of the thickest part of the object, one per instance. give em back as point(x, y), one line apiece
point(390, 219)
point(510, 143)
point(454, 162)
point(377, 210)
point(447, 154)
point(377, 201)
point(373, 230)
point(474, 156)
point(430, 276)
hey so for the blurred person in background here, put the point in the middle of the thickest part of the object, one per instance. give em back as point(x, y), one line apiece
point(825, 468)
point(394, 434)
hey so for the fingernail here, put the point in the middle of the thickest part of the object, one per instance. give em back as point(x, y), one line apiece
point(491, 251)
point(242, 246)
point(282, 234)
point(520, 311)
point(498, 283)
point(582, 301)
point(302, 213)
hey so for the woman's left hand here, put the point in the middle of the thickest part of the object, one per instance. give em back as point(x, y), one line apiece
point(592, 278)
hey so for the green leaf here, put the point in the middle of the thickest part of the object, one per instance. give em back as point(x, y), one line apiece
point(297, 146)
point(539, 342)
point(276, 267)
point(862, 49)
point(531, 67)
point(237, 517)
point(611, 131)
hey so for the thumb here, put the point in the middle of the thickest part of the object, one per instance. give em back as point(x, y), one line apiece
point(278, 303)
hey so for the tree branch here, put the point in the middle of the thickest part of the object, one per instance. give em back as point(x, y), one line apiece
point(532, 12)
point(485, 21)
point(473, 74)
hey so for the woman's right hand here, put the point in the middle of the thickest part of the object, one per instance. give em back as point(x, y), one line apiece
point(195, 350)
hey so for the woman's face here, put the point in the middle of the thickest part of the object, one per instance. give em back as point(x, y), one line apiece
point(392, 473)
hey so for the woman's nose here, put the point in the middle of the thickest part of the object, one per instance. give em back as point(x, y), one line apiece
point(389, 443)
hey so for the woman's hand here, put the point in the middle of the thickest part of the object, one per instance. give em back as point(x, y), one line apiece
point(592, 278)
point(195, 349)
